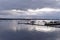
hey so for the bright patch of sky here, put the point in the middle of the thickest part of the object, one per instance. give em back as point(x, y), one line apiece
point(30, 7)
point(31, 11)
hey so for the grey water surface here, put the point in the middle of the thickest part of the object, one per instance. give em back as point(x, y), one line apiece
point(11, 30)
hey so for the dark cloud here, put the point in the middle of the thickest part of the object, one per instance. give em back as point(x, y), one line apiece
point(15, 4)
point(45, 3)
point(26, 4)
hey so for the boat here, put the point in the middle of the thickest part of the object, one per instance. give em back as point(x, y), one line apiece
point(53, 23)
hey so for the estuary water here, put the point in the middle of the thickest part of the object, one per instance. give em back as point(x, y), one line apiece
point(11, 30)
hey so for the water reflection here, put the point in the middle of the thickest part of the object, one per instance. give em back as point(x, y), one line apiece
point(8, 25)
point(11, 30)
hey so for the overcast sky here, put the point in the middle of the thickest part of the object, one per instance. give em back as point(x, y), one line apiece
point(26, 4)
point(30, 7)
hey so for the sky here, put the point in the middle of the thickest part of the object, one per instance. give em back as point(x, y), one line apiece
point(27, 9)
point(40, 8)
point(28, 4)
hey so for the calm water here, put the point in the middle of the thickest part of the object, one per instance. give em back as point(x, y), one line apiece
point(11, 30)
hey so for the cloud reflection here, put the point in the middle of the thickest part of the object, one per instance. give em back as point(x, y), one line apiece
point(11, 30)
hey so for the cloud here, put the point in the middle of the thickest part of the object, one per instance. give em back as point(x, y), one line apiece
point(28, 4)
point(45, 3)
point(14, 4)
point(32, 13)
